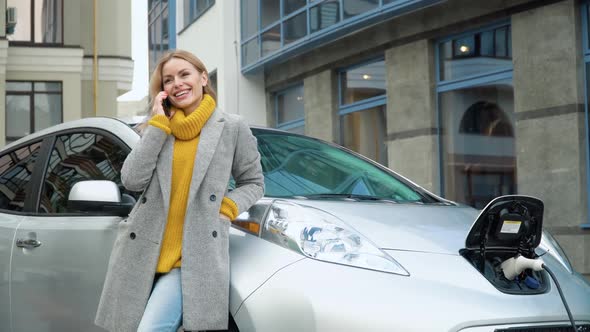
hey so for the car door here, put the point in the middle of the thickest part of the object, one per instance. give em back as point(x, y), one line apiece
point(61, 256)
point(16, 172)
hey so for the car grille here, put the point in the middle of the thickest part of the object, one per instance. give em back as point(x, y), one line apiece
point(561, 328)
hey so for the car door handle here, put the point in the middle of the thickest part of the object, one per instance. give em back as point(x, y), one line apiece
point(28, 243)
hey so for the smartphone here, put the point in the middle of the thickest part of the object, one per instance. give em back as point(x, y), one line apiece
point(166, 105)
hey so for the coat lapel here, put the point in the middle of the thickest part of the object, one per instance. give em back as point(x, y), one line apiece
point(208, 141)
point(164, 171)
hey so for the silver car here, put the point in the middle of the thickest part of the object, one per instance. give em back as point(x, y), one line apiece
point(338, 243)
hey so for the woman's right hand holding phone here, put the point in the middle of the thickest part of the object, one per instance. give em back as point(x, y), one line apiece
point(158, 107)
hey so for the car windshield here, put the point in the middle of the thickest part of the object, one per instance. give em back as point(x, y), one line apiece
point(295, 165)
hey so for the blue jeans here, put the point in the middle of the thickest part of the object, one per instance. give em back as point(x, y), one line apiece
point(163, 312)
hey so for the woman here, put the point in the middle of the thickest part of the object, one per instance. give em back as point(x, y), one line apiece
point(170, 261)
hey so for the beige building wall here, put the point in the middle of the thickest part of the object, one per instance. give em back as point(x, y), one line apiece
point(73, 63)
point(113, 26)
point(46, 64)
point(2, 19)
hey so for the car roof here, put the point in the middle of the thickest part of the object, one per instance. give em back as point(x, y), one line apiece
point(112, 125)
point(120, 127)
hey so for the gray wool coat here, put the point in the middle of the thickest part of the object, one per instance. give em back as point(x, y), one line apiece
point(226, 147)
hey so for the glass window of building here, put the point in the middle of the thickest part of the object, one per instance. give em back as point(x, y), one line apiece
point(290, 6)
point(249, 14)
point(289, 109)
point(269, 12)
point(295, 28)
point(271, 40)
point(35, 21)
point(356, 7)
point(475, 54)
point(161, 29)
point(365, 132)
point(363, 82)
point(31, 106)
point(251, 51)
point(213, 82)
point(324, 15)
point(478, 158)
point(363, 125)
point(193, 9)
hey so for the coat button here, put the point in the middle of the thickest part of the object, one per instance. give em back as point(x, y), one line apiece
point(143, 200)
point(212, 198)
point(132, 236)
point(214, 233)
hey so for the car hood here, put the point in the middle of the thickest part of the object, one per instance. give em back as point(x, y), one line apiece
point(399, 226)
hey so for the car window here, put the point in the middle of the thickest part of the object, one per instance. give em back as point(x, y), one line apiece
point(16, 168)
point(296, 165)
point(78, 157)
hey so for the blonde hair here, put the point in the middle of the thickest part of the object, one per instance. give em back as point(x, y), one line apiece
point(156, 84)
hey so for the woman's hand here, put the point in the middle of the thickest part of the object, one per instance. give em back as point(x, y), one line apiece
point(158, 108)
point(224, 217)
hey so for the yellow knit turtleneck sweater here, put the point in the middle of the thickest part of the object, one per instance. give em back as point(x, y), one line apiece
point(186, 130)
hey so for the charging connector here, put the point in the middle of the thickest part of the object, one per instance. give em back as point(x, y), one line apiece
point(516, 265)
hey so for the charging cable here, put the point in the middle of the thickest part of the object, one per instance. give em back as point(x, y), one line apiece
point(515, 265)
point(569, 314)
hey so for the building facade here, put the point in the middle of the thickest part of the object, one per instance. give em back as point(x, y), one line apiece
point(470, 99)
point(47, 53)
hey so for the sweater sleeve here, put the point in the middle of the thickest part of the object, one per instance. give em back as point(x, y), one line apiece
point(229, 208)
point(162, 122)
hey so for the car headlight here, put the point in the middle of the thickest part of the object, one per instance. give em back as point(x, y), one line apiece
point(320, 235)
point(550, 245)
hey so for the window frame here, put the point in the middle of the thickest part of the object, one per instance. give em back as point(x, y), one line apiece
point(312, 39)
point(300, 122)
point(42, 174)
point(194, 14)
point(362, 105)
point(31, 41)
point(31, 95)
point(37, 169)
point(585, 13)
point(155, 16)
point(456, 83)
point(462, 83)
point(33, 201)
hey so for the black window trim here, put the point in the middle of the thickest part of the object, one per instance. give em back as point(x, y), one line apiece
point(32, 26)
point(27, 208)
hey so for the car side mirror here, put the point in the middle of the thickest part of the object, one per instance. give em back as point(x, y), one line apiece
point(100, 196)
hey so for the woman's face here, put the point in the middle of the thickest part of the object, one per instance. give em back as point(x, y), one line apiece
point(183, 83)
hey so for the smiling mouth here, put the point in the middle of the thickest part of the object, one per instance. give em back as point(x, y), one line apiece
point(182, 93)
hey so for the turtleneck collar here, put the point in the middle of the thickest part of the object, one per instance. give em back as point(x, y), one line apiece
point(188, 127)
